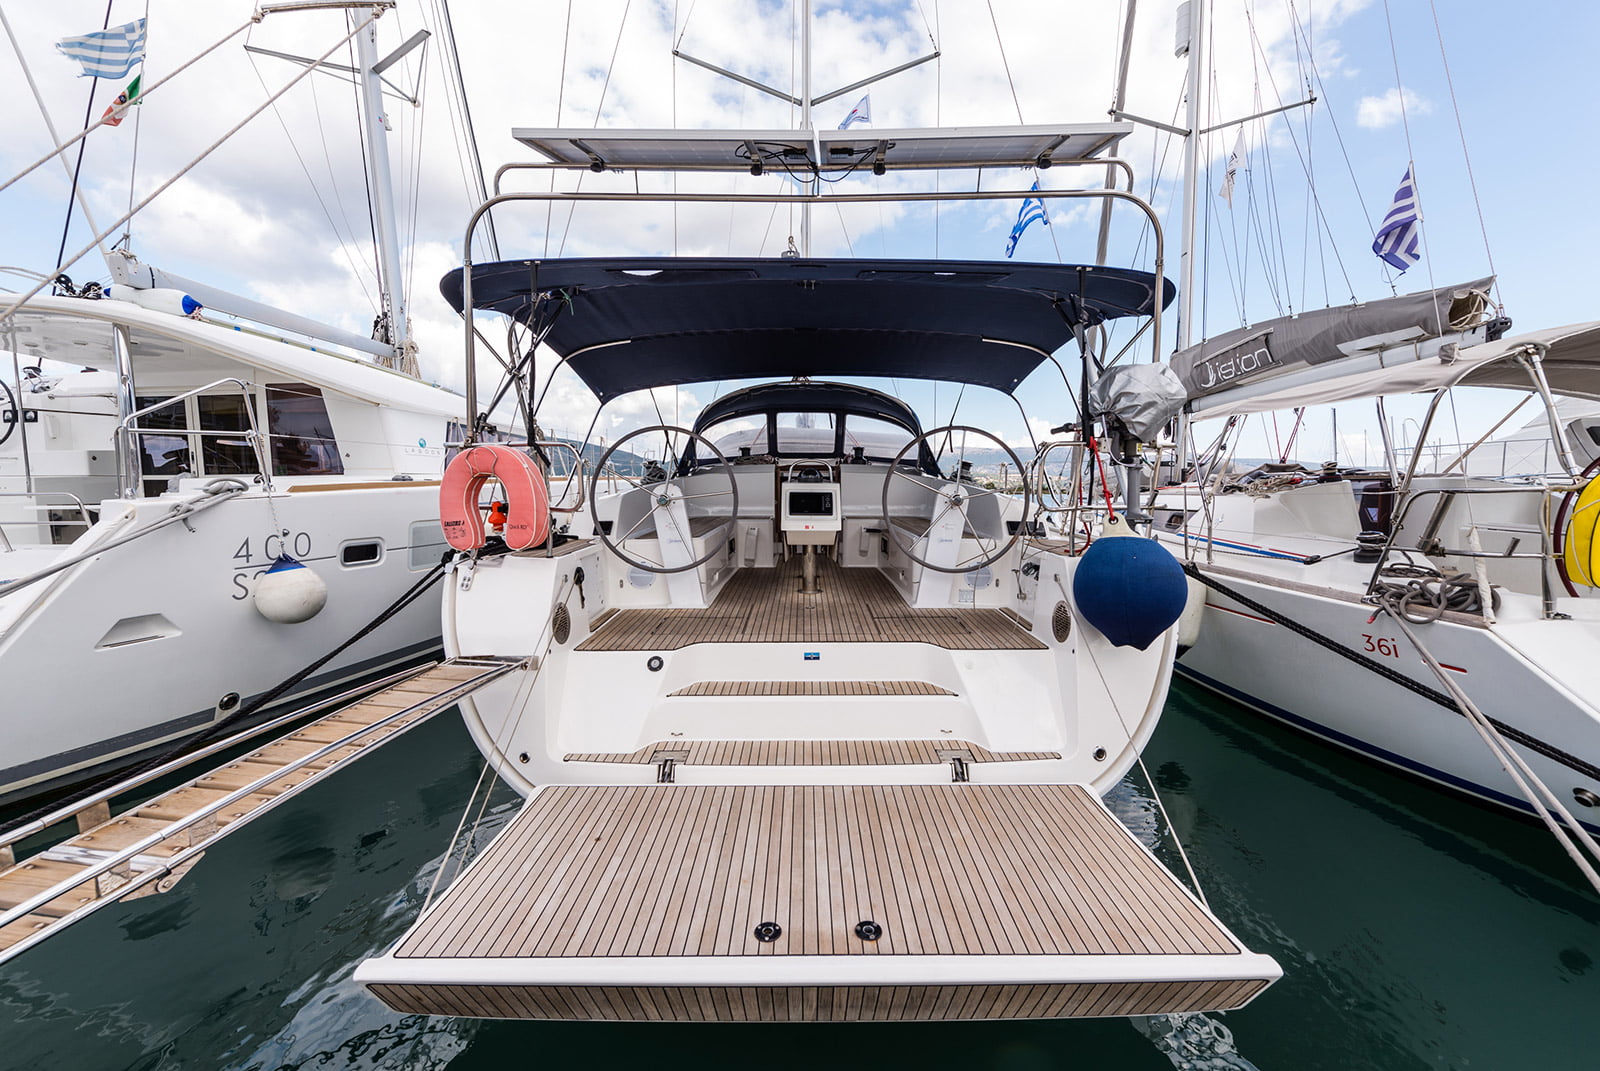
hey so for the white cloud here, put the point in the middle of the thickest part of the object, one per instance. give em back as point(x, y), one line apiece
point(246, 217)
point(1375, 113)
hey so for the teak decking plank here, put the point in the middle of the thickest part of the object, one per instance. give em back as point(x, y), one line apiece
point(765, 606)
point(689, 870)
point(808, 753)
point(597, 855)
point(1131, 865)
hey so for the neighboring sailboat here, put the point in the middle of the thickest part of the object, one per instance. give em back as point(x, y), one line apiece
point(1323, 550)
point(1428, 613)
point(136, 538)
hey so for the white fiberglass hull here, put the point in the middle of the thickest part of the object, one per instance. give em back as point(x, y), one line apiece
point(1533, 676)
point(740, 880)
point(139, 646)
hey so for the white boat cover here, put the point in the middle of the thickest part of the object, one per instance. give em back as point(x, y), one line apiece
point(1143, 396)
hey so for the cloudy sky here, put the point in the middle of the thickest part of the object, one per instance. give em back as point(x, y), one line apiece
point(279, 212)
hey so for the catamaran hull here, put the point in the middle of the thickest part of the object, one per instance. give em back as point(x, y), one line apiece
point(1273, 670)
point(158, 638)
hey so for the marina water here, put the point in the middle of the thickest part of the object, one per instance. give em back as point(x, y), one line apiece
point(1415, 931)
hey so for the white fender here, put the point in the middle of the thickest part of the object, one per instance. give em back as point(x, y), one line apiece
point(289, 593)
point(159, 299)
point(1194, 610)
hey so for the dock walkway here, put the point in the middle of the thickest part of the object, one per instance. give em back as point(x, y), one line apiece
point(149, 848)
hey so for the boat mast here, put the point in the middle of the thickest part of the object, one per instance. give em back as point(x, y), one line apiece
point(392, 303)
point(1191, 167)
point(1118, 100)
point(805, 121)
point(805, 102)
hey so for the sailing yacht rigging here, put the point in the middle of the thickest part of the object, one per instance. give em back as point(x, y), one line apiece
point(811, 721)
point(193, 508)
point(1426, 613)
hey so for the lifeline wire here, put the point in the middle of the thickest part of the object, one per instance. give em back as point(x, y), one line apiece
point(9, 310)
point(144, 91)
point(1517, 768)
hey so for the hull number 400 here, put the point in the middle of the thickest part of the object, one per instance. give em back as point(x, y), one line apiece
point(262, 553)
point(273, 547)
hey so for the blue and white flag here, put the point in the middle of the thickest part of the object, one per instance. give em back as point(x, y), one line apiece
point(1400, 234)
point(1236, 162)
point(1032, 209)
point(106, 53)
point(862, 113)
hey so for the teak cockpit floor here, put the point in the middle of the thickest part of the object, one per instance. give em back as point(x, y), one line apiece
point(766, 606)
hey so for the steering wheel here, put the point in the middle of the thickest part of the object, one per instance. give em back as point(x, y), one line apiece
point(11, 407)
point(954, 495)
point(665, 487)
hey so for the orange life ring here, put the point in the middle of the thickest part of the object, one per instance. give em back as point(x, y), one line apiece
point(527, 497)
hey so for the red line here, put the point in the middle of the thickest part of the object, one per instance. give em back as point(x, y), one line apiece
point(1241, 613)
point(1453, 669)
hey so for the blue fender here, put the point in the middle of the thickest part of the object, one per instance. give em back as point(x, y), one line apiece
point(1130, 589)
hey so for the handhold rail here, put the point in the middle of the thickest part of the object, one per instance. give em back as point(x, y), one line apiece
point(105, 866)
point(130, 432)
point(77, 807)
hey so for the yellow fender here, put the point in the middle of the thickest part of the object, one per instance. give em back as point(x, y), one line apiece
point(1580, 548)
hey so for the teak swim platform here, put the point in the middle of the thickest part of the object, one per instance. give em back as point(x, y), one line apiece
point(898, 902)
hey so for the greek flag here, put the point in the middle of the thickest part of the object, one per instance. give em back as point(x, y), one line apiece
point(861, 113)
point(1032, 209)
point(1400, 234)
point(106, 53)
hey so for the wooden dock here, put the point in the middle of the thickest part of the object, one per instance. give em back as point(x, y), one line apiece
point(766, 606)
point(743, 902)
point(147, 849)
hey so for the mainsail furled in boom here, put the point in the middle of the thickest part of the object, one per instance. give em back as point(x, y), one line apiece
point(1249, 355)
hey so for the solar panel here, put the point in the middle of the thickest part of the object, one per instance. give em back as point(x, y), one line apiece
point(907, 149)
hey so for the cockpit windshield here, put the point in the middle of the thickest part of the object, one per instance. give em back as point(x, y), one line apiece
point(811, 434)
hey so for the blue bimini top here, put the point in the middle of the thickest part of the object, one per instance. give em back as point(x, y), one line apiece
point(634, 323)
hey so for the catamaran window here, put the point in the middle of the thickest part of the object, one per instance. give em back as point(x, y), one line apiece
point(809, 434)
point(427, 544)
point(224, 447)
point(878, 439)
point(737, 436)
point(163, 455)
point(301, 433)
point(456, 432)
point(361, 552)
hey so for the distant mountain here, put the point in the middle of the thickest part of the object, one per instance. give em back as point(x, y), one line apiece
point(985, 462)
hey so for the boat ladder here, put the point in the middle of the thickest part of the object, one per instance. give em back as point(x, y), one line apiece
point(149, 847)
